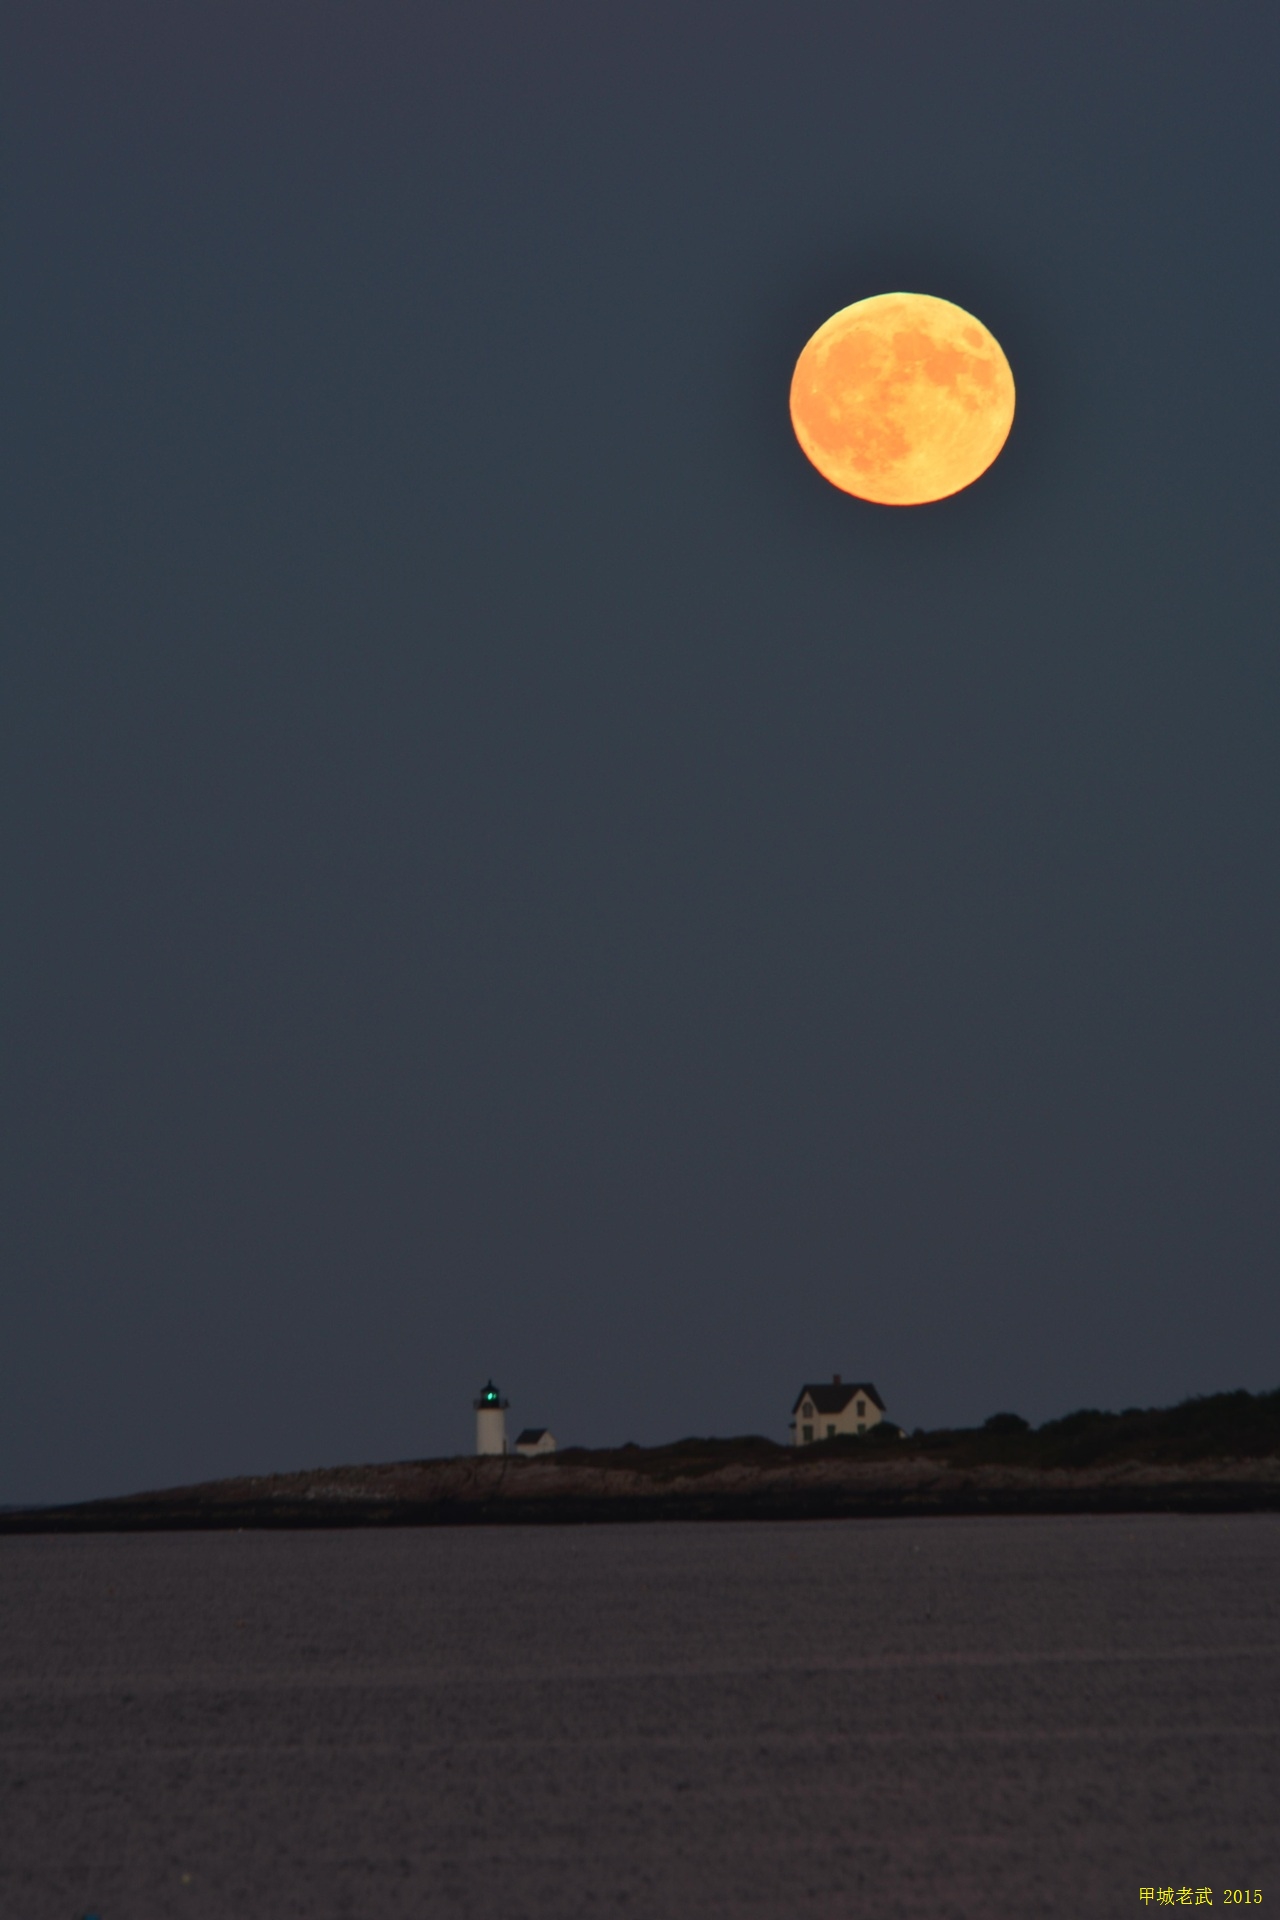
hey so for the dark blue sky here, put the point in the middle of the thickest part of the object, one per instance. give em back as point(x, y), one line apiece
point(506, 870)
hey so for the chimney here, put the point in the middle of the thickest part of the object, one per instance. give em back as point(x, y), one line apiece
point(835, 1379)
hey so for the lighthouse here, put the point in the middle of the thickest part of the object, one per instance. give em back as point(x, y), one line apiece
point(491, 1420)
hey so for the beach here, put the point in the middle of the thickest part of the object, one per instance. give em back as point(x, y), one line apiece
point(936, 1717)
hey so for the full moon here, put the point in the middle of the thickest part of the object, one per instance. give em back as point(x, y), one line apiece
point(901, 399)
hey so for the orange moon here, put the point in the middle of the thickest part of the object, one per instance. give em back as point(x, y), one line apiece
point(901, 399)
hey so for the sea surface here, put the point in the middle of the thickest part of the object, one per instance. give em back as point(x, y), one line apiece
point(977, 1717)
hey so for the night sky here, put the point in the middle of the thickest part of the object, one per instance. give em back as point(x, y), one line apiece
point(506, 870)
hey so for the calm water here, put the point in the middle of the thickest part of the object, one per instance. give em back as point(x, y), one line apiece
point(934, 1718)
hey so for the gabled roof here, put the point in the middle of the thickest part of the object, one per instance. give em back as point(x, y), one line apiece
point(831, 1397)
point(530, 1436)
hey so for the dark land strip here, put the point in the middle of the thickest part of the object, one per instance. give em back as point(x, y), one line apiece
point(1215, 1454)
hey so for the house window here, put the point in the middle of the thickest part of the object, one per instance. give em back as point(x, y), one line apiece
point(808, 1434)
point(862, 1407)
point(807, 1411)
point(862, 1426)
point(831, 1432)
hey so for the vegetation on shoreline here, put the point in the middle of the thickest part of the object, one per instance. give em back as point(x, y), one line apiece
point(1217, 1426)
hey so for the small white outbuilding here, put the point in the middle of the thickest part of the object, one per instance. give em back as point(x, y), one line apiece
point(534, 1440)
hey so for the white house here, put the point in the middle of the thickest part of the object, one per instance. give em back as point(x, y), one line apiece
point(822, 1412)
point(535, 1440)
point(491, 1420)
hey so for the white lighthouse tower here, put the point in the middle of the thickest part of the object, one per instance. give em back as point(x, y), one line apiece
point(491, 1420)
